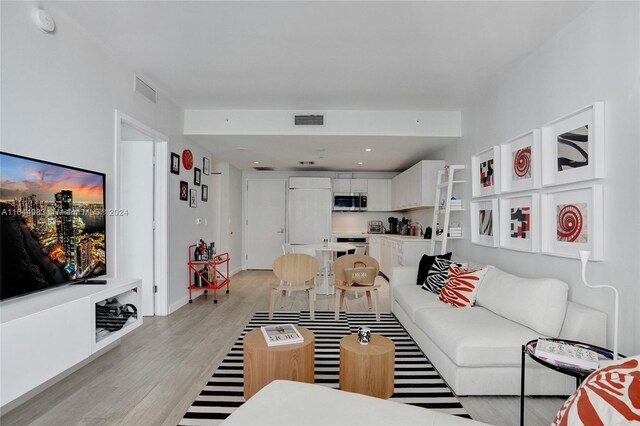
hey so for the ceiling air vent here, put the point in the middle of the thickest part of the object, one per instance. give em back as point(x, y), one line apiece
point(144, 89)
point(263, 169)
point(306, 163)
point(309, 120)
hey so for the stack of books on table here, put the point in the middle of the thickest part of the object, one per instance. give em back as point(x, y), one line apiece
point(284, 334)
point(455, 231)
point(566, 354)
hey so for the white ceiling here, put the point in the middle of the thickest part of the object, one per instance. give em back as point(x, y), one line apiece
point(323, 54)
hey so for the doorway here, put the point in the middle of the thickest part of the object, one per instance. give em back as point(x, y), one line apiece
point(141, 207)
point(266, 222)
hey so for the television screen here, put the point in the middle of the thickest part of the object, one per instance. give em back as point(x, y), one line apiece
point(53, 225)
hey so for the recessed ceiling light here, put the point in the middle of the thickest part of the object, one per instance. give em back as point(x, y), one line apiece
point(241, 148)
point(360, 163)
point(368, 149)
point(256, 162)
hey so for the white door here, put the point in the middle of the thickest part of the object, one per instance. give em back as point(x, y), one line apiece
point(266, 221)
point(135, 225)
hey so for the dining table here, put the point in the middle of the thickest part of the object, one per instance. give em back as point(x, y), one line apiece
point(326, 252)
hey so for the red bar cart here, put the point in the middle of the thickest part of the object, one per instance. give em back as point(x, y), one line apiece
point(215, 274)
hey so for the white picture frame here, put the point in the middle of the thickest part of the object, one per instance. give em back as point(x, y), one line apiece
point(520, 223)
point(485, 230)
point(575, 144)
point(521, 163)
point(572, 220)
point(485, 170)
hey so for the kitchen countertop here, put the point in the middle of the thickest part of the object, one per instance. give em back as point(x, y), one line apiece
point(395, 237)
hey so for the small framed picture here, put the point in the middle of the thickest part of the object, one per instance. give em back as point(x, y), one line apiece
point(485, 170)
point(205, 193)
point(521, 165)
point(484, 223)
point(193, 198)
point(205, 165)
point(184, 190)
point(572, 220)
point(196, 176)
point(175, 163)
point(520, 223)
point(573, 147)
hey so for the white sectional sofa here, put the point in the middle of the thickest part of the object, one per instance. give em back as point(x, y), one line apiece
point(477, 350)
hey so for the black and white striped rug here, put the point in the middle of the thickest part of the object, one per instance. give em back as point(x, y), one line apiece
point(416, 381)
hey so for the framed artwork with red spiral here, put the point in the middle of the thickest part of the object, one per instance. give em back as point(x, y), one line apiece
point(521, 163)
point(572, 220)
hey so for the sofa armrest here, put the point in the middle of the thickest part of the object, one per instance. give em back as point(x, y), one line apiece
point(402, 275)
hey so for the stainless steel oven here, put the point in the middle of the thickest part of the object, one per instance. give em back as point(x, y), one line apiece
point(359, 242)
point(349, 202)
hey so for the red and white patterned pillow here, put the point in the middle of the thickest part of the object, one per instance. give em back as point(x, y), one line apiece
point(609, 396)
point(462, 286)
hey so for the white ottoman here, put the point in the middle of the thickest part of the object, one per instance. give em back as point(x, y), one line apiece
point(284, 402)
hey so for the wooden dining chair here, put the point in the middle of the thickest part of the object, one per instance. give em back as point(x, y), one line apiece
point(296, 272)
point(356, 272)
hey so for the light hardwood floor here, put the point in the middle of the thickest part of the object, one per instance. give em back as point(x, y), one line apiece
point(152, 377)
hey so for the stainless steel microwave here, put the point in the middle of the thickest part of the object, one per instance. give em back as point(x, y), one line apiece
point(349, 202)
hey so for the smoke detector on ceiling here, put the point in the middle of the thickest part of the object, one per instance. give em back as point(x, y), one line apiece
point(44, 20)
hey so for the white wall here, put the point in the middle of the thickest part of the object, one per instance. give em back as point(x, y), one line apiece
point(228, 213)
point(594, 58)
point(59, 96)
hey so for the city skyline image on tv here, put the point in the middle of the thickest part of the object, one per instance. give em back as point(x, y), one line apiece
point(53, 225)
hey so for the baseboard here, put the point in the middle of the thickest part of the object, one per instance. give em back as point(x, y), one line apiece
point(181, 302)
point(235, 271)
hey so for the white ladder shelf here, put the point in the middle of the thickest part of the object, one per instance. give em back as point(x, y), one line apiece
point(445, 180)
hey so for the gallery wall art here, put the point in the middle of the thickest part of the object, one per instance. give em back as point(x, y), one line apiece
point(484, 222)
point(520, 223)
point(485, 170)
point(572, 220)
point(521, 163)
point(573, 147)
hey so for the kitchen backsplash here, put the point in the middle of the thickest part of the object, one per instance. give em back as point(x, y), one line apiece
point(348, 222)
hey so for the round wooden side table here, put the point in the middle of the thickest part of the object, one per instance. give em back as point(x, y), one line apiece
point(264, 364)
point(367, 369)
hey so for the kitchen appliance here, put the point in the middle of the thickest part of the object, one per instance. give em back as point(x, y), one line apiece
point(375, 227)
point(349, 202)
point(309, 210)
point(393, 225)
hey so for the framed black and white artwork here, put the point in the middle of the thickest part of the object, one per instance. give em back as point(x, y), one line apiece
point(205, 193)
point(175, 163)
point(196, 176)
point(484, 223)
point(193, 198)
point(573, 147)
point(205, 166)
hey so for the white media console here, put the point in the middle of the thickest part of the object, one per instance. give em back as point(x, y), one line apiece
point(45, 334)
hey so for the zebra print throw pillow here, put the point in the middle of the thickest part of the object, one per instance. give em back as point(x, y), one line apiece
point(437, 276)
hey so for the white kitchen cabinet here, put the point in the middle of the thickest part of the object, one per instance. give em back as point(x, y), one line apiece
point(415, 187)
point(309, 183)
point(378, 199)
point(349, 185)
point(393, 250)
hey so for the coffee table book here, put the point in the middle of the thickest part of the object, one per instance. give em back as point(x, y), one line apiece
point(282, 334)
point(563, 353)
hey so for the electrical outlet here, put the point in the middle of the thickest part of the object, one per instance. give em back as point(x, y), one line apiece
point(198, 221)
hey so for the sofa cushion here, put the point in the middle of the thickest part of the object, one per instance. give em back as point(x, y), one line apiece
point(412, 298)
point(462, 286)
point(475, 337)
point(425, 265)
point(437, 276)
point(537, 303)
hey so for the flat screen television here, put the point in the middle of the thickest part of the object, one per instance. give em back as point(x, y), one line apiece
point(53, 225)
